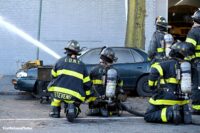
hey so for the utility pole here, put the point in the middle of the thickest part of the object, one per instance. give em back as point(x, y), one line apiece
point(135, 24)
point(39, 27)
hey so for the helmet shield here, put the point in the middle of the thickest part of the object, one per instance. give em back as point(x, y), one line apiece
point(108, 55)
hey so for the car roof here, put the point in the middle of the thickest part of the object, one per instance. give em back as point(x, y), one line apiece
point(138, 49)
point(141, 51)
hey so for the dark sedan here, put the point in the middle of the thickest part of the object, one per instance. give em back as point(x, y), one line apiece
point(132, 66)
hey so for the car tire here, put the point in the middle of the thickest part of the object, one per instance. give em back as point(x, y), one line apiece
point(142, 87)
point(42, 93)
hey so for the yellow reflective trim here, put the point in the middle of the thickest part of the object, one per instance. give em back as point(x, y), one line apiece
point(167, 102)
point(197, 47)
point(164, 114)
point(190, 40)
point(121, 83)
point(53, 73)
point(162, 81)
point(156, 83)
point(151, 83)
point(56, 103)
point(66, 91)
point(70, 73)
point(91, 99)
point(196, 107)
point(97, 82)
point(197, 54)
point(172, 80)
point(158, 67)
point(86, 79)
point(188, 58)
point(88, 92)
point(159, 50)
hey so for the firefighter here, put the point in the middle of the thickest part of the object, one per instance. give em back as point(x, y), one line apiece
point(193, 37)
point(70, 84)
point(172, 81)
point(107, 86)
point(156, 48)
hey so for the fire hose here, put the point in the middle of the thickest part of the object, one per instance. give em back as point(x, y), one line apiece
point(131, 110)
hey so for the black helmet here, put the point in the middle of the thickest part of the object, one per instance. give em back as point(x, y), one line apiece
point(161, 22)
point(196, 16)
point(182, 50)
point(108, 55)
point(73, 47)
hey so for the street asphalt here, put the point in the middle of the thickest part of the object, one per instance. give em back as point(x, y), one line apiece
point(22, 113)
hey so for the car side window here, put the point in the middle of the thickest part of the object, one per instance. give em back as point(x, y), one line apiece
point(124, 56)
point(91, 57)
point(137, 56)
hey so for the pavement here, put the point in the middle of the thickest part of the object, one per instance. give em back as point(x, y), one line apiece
point(21, 112)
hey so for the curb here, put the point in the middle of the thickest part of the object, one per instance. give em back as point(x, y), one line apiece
point(13, 93)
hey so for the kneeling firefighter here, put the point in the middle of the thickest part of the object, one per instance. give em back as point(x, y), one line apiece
point(172, 80)
point(107, 86)
point(70, 84)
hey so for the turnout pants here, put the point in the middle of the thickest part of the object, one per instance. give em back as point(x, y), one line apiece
point(196, 84)
point(159, 114)
point(171, 114)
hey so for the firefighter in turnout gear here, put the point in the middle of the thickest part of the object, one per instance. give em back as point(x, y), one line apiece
point(156, 50)
point(193, 37)
point(70, 84)
point(107, 86)
point(171, 80)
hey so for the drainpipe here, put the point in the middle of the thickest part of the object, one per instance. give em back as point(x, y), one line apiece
point(39, 27)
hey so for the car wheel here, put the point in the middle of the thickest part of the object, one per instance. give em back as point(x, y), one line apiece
point(143, 88)
point(42, 93)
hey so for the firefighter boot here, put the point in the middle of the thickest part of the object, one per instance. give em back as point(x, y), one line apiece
point(55, 112)
point(71, 112)
point(93, 112)
point(104, 112)
point(187, 115)
point(176, 114)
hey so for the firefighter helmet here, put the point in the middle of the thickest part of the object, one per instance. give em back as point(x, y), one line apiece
point(182, 49)
point(196, 16)
point(161, 21)
point(108, 55)
point(73, 47)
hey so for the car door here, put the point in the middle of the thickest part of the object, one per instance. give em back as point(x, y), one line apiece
point(130, 65)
